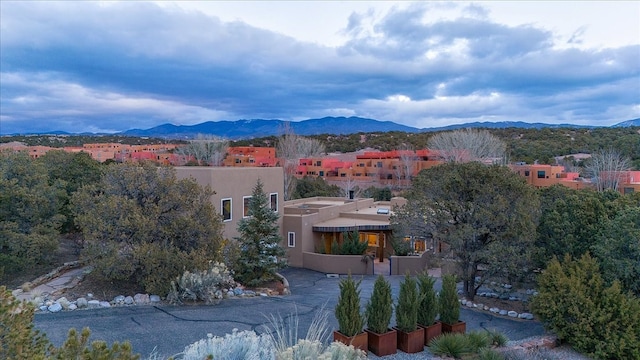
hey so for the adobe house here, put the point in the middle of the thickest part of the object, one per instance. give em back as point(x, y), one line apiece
point(311, 225)
point(233, 187)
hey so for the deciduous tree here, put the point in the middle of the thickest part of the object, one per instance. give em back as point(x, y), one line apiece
point(607, 168)
point(468, 145)
point(290, 149)
point(205, 150)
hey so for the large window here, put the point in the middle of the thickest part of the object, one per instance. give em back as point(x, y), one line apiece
point(291, 239)
point(245, 205)
point(541, 174)
point(225, 206)
point(274, 201)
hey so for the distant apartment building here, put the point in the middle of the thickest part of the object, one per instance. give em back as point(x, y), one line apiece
point(233, 187)
point(248, 156)
point(539, 175)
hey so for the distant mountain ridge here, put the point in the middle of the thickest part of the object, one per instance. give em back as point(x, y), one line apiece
point(246, 129)
point(243, 129)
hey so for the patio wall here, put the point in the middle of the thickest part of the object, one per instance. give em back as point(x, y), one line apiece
point(413, 264)
point(337, 264)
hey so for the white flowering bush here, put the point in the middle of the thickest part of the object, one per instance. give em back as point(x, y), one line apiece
point(314, 349)
point(239, 345)
point(207, 285)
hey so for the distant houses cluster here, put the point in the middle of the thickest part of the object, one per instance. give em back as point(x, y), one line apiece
point(367, 168)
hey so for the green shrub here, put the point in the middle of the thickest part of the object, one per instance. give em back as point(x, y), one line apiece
point(350, 319)
point(380, 306)
point(428, 310)
point(490, 354)
point(201, 285)
point(351, 244)
point(77, 347)
point(452, 344)
point(408, 302)
point(478, 340)
point(496, 338)
point(18, 339)
point(574, 303)
point(448, 299)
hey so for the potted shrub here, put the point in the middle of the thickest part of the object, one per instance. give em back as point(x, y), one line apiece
point(428, 309)
point(410, 336)
point(382, 340)
point(450, 306)
point(350, 319)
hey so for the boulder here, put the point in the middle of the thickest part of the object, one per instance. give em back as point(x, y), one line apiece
point(512, 314)
point(128, 300)
point(82, 303)
point(73, 306)
point(118, 300)
point(64, 303)
point(93, 304)
point(154, 298)
point(141, 299)
point(55, 307)
point(503, 312)
point(104, 304)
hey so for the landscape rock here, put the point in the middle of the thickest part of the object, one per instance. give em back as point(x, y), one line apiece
point(82, 303)
point(494, 310)
point(141, 298)
point(104, 304)
point(512, 314)
point(128, 300)
point(237, 291)
point(118, 299)
point(503, 312)
point(43, 308)
point(73, 306)
point(526, 316)
point(93, 303)
point(55, 307)
point(64, 302)
point(154, 298)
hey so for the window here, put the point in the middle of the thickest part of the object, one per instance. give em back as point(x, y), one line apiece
point(628, 190)
point(319, 163)
point(225, 205)
point(245, 208)
point(321, 173)
point(274, 201)
point(526, 173)
point(541, 174)
point(371, 239)
point(379, 164)
point(291, 239)
point(238, 161)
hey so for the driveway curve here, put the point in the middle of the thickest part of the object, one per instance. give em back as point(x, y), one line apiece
point(167, 329)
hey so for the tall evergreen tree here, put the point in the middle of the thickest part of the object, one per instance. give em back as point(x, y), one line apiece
point(261, 253)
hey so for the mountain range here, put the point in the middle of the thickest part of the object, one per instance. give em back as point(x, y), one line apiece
point(243, 129)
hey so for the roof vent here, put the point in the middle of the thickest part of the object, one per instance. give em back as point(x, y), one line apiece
point(383, 211)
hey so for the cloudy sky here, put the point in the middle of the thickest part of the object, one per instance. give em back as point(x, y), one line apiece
point(111, 66)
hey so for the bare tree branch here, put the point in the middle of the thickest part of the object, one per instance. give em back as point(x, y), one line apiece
point(206, 150)
point(468, 145)
point(607, 169)
point(290, 149)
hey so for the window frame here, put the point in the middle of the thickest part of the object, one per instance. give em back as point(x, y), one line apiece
point(291, 239)
point(230, 209)
point(271, 201)
point(245, 206)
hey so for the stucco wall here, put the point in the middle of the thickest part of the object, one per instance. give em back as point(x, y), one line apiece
point(337, 264)
point(413, 264)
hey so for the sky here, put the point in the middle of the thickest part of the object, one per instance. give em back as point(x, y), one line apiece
point(110, 66)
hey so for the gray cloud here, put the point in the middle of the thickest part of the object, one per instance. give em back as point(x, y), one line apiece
point(97, 67)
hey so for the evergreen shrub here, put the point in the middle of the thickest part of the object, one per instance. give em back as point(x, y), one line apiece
point(408, 302)
point(428, 310)
point(380, 307)
point(573, 302)
point(448, 299)
point(350, 319)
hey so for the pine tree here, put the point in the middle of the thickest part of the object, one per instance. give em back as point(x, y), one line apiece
point(261, 254)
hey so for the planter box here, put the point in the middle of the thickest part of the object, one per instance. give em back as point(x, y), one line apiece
point(411, 342)
point(383, 344)
point(431, 332)
point(459, 327)
point(359, 341)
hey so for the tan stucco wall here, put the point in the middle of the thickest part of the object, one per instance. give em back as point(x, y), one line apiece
point(236, 183)
point(400, 265)
point(337, 264)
